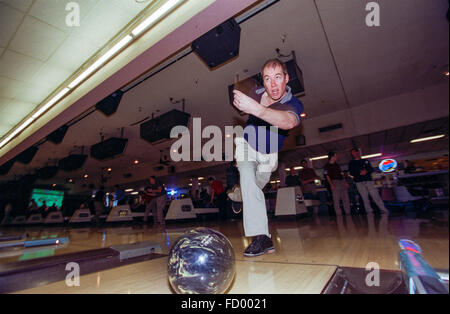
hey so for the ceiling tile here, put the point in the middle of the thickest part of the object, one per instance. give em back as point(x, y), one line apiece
point(98, 31)
point(54, 12)
point(33, 93)
point(50, 76)
point(10, 88)
point(17, 108)
point(73, 53)
point(21, 5)
point(10, 21)
point(17, 66)
point(32, 35)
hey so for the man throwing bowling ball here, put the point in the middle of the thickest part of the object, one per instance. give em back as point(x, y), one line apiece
point(272, 110)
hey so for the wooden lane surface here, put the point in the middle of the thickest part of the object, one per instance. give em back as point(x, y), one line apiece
point(151, 278)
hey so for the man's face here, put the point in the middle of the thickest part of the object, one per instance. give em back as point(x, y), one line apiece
point(355, 154)
point(304, 164)
point(275, 82)
point(152, 181)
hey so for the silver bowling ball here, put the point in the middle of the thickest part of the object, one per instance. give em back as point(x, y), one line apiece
point(201, 262)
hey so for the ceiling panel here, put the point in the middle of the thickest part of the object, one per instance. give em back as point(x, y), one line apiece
point(22, 5)
point(50, 76)
point(11, 19)
point(17, 66)
point(72, 53)
point(54, 12)
point(32, 34)
point(9, 88)
point(377, 139)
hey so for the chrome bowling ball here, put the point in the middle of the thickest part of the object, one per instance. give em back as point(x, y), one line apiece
point(201, 261)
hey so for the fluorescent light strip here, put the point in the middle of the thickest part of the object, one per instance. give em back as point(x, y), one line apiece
point(101, 60)
point(154, 17)
point(50, 103)
point(318, 158)
point(427, 138)
point(371, 156)
point(17, 131)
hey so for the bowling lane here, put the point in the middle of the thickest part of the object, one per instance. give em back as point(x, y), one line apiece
point(347, 241)
point(151, 277)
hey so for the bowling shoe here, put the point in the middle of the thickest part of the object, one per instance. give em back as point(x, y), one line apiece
point(260, 245)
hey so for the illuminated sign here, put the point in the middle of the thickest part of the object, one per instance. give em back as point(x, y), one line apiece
point(388, 165)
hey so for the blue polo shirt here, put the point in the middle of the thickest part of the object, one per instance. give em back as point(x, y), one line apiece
point(261, 135)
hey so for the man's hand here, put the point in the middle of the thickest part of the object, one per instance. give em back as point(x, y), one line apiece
point(246, 104)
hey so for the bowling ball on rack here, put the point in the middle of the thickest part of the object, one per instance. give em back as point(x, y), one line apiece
point(201, 261)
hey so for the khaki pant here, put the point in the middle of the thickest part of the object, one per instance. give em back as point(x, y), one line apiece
point(156, 206)
point(340, 192)
point(255, 170)
point(368, 187)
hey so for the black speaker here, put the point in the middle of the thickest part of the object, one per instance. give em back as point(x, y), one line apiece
point(109, 105)
point(47, 172)
point(27, 156)
point(109, 148)
point(295, 78)
point(72, 162)
point(58, 135)
point(4, 169)
point(159, 128)
point(219, 44)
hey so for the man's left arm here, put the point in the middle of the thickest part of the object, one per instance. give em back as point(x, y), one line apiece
point(282, 119)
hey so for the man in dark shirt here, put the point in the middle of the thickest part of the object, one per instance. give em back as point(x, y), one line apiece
point(156, 193)
point(273, 111)
point(361, 170)
point(339, 187)
point(292, 178)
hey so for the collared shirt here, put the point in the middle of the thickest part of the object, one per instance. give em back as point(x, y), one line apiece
point(273, 139)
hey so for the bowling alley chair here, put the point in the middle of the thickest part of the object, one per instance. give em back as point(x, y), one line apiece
point(408, 201)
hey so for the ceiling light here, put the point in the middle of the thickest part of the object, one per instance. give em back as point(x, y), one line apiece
point(298, 168)
point(136, 162)
point(318, 158)
point(85, 176)
point(154, 17)
point(134, 193)
point(303, 115)
point(129, 190)
point(427, 138)
point(16, 131)
point(371, 156)
point(53, 101)
point(101, 60)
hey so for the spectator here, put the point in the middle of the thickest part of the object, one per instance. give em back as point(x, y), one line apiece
point(338, 186)
point(361, 170)
point(218, 197)
point(307, 177)
point(292, 179)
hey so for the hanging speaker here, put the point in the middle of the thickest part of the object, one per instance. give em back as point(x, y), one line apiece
point(58, 135)
point(159, 128)
point(72, 162)
point(109, 148)
point(109, 105)
point(4, 169)
point(47, 173)
point(27, 156)
point(219, 44)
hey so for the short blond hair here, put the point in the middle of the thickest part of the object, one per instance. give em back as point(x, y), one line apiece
point(274, 63)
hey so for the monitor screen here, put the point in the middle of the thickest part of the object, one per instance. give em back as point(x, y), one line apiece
point(49, 196)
